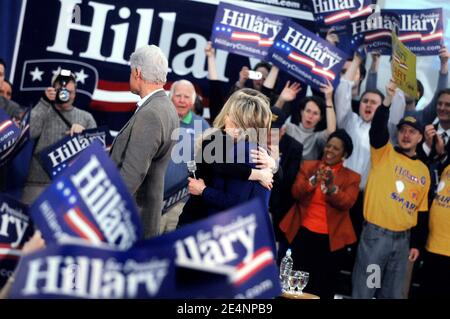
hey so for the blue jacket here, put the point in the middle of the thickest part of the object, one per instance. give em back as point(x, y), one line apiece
point(225, 192)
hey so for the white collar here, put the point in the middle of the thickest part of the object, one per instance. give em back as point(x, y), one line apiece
point(441, 130)
point(145, 98)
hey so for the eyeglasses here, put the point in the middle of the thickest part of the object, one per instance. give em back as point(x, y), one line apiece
point(366, 100)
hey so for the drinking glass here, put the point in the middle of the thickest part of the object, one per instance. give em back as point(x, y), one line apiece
point(294, 280)
point(302, 281)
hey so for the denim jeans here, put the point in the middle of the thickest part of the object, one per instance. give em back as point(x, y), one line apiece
point(381, 263)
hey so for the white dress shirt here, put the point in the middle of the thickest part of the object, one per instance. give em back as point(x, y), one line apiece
point(358, 129)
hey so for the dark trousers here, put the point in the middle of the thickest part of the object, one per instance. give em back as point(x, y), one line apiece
point(356, 214)
point(435, 276)
point(311, 253)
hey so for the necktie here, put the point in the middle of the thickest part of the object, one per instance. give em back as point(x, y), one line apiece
point(444, 137)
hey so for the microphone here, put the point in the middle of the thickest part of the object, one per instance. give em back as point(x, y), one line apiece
point(192, 167)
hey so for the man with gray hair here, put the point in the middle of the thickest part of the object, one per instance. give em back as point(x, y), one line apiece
point(142, 148)
point(182, 94)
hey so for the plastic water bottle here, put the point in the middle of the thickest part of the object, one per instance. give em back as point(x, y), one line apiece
point(285, 268)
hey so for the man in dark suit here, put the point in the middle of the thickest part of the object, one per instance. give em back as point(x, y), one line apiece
point(142, 148)
point(436, 146)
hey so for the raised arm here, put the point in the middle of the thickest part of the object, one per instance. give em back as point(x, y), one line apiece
point(343, 95)
point(379, 133)
point(288, 94)
point(429, 112)
point(211, 60)
point(372, 76)
point(271, 78)
point(331, 116)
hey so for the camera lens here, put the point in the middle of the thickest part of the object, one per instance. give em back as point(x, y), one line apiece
point(63, 95)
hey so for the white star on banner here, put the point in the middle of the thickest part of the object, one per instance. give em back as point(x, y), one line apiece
point(81, 76)
point(55, 72)
point(36, 74)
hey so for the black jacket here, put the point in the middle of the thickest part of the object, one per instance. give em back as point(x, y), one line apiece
point(281, 199)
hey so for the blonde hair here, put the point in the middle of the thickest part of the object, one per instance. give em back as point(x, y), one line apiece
point(249, 110)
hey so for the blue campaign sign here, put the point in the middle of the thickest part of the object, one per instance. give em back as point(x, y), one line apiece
point(243, 31)
point(56, 158)
point(229, 255)
point(238, 244)
point(79, 271)
point(422, 31)
point(375, 31)
point(15, 229)
point(331, 12)
point(9, 133)
point(12, 137)
point(306, 56)
point(89, 200)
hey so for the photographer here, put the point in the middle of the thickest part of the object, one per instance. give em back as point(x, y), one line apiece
point(52, 119)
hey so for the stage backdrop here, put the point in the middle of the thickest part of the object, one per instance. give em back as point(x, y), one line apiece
point(95, 39)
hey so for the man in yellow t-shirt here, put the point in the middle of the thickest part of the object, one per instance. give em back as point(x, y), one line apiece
point(396, 191)
point(436, 266)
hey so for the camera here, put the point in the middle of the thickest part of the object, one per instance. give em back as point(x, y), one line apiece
point(254, 75)
point(62, 93)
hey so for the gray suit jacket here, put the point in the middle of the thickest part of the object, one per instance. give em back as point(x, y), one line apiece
point(141, 151)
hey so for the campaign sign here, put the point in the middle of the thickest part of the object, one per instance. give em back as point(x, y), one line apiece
point(15, 229)
point(88, 200)
point(237, 243)
point(175, 195)
point(421, 31)
point(9, 134)
point(306, 56)
point(332, 12)
point(375, 31)
point(82, 271)
point(57, 157)
point(229, 255)
point(243, 31)
point(404, 67)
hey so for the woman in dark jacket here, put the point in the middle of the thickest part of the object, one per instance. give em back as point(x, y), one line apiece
point(318, 226)
point(246, 111)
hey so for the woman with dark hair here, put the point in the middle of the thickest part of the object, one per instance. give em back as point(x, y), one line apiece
point(318, 225)
point(310, 131)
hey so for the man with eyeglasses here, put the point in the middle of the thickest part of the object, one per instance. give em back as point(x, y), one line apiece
point(50, 121)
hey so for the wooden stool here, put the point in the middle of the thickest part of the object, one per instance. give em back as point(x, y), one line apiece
point(305, 295)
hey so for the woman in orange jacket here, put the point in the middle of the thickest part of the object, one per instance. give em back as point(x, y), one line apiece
point(318, 226)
